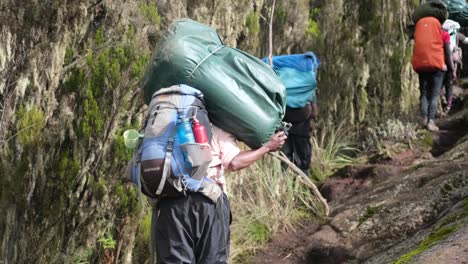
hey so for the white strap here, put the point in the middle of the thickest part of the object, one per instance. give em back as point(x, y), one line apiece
point(167, 165)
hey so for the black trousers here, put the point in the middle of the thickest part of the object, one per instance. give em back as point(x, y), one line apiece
point(297, 146)
point(193, 230)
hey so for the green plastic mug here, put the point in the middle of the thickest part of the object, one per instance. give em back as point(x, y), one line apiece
point(131, 138)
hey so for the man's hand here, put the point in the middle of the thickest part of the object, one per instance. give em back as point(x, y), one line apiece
point(245, 158)
point(276, 141)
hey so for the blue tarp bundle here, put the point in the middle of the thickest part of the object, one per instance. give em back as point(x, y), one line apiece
point(298, 73)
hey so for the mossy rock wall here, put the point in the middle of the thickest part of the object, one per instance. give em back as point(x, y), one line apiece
point(366, 73)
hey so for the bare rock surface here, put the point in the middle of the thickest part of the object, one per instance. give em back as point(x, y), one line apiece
point(386, 213)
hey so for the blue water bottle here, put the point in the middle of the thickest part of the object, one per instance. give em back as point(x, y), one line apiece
point(184, 135)
point(184, 130)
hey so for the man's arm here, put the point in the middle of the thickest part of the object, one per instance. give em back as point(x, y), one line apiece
point(315, 110)
point(462, 38)
point(246, 158)
point(449, 60)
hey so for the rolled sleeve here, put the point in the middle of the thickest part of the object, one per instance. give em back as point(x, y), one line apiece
point(224, 146)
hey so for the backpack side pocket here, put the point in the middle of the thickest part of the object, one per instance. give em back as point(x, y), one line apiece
point(199, 156)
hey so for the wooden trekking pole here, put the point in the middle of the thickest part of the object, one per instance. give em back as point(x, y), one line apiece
point(270, 34)
point(303, 178)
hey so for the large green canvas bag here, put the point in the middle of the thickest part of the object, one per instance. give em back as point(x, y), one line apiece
point(243, 95)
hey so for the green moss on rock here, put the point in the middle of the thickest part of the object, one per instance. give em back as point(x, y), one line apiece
point(425, 140)
point(370, 212)
point(427, 243)
point(128, 199)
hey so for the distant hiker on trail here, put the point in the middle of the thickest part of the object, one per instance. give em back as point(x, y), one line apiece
point(297, 147)
point(456, 37)
point(432, 57)
point(193, 229)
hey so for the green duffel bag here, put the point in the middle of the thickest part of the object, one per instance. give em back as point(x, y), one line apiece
point(458, 11)
point(243, 95)
point(431, 8)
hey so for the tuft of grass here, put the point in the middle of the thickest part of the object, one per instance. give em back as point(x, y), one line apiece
point(258, 232)
point(331, 150)
point(265, 199)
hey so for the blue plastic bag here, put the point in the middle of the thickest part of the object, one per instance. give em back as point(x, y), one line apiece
point(298, 74)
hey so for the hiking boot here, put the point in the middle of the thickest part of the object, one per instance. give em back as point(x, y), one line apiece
point(444, 100)
point(423, 122)
point(431, 126)
point(447, 110)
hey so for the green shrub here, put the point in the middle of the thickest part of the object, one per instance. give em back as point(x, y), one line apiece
point(30, 125)
point(313, 29)
point(128, 200)
point(107, 241)
point(150, 12)
point(252, 22)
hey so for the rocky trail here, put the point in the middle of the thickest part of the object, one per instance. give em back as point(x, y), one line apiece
point(412, 208)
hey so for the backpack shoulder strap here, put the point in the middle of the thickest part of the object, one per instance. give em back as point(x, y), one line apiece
point(167, 162)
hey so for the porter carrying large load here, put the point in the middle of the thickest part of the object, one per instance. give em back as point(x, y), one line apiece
point(243, 95)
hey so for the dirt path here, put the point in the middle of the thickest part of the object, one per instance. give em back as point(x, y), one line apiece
point(377, 207)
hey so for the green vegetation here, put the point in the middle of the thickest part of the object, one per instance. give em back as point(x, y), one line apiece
point(395, 136)
point(98, 187)
point(252, 22)
point(425, 140)
point(68, 56)
point(458, 216)
point(428, 242)
point(108, 72)
point(128, 200)
point(258, 232)
point(150, 12)
point(370, 212)
point(313, 29)
point(140, 252)
point(83, 257)
point(266, 199)
point(363, 104)
point(107, 241)
point(445, 229)
point(281, 16)
point(68, 169)
point(30, 124)
point(331, 150)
